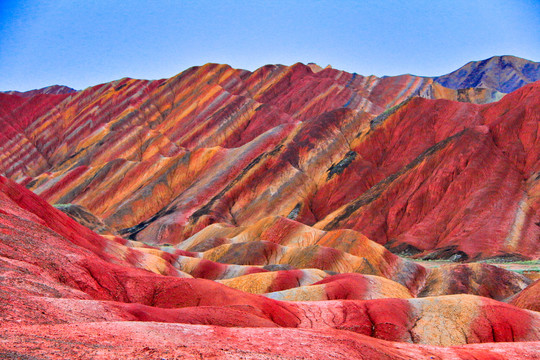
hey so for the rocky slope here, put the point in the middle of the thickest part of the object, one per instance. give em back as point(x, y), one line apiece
point(529, 298)
point(215, 144)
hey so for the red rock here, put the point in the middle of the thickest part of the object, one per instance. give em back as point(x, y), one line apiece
point(53, 90)
point(147, 340)
point(477, 279)
point(529, 298)
point(60, 289)
point(344, 287)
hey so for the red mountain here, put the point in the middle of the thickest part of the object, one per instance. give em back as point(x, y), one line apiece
point(248, 213)
point(52, 90)
point(210, 145)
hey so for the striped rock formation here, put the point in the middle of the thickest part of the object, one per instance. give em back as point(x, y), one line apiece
point(193, 148)
point(476, 278)
point(529, 298)
point(247, 214)
point(62, 282)
point(282, 241)
point(464, 163)
point(345, 287)
point(433, 192)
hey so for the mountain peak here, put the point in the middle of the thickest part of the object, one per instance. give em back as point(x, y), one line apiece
point(504, 73)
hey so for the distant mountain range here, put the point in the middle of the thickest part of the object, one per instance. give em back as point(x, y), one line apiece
point(501, 73)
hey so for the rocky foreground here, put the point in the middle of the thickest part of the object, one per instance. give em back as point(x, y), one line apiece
point(68, 292)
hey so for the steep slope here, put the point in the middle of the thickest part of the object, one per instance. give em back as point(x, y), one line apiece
point(444, 188)
point(258, 211)
point(142, 121)
point(17, 114)
point(529, 298)
point(158, 161)
point(208, 106)
point(437, 192)
point(501, 73)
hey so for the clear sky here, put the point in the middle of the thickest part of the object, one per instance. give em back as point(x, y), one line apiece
point(85, 42)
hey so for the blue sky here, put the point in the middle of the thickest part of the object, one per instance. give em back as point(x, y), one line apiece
point(82, 43)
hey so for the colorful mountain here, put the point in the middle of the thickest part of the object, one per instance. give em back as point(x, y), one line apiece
point(211, 144)
point(226, 213)
point(53, 90)
point(65, 285)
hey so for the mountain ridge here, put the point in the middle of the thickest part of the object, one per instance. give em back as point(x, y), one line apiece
point(51, 90)
point(531, 74)
point(189, 147)
point(502, 73)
